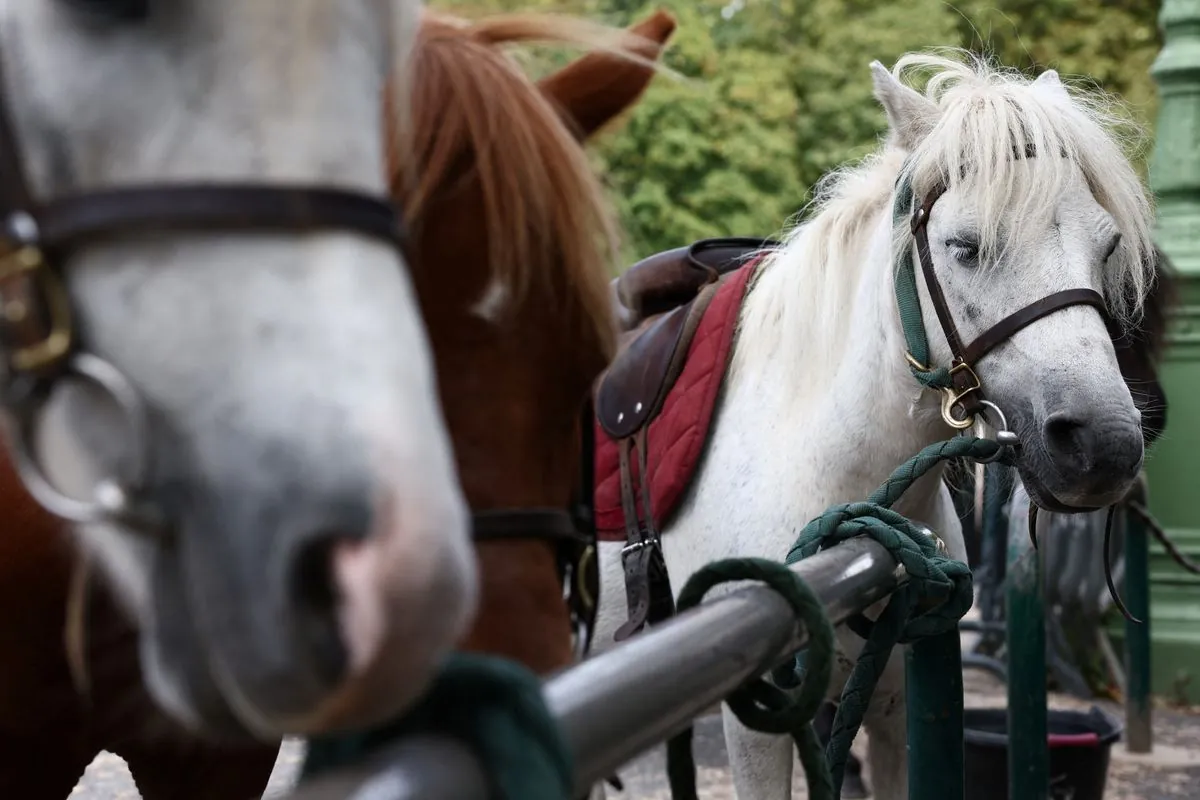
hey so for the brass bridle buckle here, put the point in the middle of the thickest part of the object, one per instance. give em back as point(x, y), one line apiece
point(25, 265)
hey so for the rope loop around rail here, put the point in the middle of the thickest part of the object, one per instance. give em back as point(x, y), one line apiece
point(937, 594)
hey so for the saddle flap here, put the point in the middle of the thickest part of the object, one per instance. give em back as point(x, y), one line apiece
point(631, 384)
point(632, 389)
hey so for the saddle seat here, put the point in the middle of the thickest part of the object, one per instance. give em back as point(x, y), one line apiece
point(660, 301)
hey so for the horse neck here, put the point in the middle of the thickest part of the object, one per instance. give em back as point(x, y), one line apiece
point(516, 438)
point(823, 371)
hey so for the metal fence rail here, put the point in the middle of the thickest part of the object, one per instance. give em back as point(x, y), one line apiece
point(615, 706)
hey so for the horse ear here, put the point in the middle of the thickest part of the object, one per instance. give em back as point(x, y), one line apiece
point(594, 89)
point(910, 114)
point(1049, 82)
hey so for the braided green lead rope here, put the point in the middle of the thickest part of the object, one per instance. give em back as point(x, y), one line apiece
point(495, 706)
point(938, 593)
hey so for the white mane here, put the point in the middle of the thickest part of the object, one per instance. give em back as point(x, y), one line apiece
point(797, 312)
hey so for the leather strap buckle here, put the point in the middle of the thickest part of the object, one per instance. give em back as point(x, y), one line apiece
point(633, 547)
point(35, 311)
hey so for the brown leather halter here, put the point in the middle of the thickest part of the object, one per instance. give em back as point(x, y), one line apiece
point(571, 530)
point(39, 343)
point(964, 396)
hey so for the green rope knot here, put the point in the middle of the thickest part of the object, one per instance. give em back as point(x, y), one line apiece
point(492, 704)
point(940, 587)
point(938, 593)
point(759, 705)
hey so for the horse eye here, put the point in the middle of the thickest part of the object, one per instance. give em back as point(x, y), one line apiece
point(1112, 246)
point(964, 251)
point(110, 10)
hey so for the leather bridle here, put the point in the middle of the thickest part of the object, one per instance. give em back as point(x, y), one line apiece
point(40, 345)
point(572, 531)
point(962, 389)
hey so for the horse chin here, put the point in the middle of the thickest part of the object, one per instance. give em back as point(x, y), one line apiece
point(1064, 501)
point(192, 699)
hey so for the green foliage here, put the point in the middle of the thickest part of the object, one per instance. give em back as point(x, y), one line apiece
point(775, 93)
point(710, 154)
point(839, 119)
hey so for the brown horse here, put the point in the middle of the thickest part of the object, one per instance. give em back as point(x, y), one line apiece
point(502, 200)
point(516, 355)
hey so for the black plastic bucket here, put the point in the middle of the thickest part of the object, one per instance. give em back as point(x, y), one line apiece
point(1079, 744)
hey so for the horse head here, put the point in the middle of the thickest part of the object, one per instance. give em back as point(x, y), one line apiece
point(216, 364)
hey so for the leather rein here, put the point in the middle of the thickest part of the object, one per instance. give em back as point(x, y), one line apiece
point(40, 344)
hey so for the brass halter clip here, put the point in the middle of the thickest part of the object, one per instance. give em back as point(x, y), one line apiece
point(40, 338)
point(953, 396)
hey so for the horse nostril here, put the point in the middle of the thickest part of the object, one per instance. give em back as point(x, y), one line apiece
point(315, 600)
point(1065, 436)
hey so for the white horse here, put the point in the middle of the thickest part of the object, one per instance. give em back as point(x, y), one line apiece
point(819, 404)
point(295, 546)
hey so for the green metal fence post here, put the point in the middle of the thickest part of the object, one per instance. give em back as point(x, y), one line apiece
point(1139, 737)
point(1028, 755)
point(1171, 469)
point(934, 679)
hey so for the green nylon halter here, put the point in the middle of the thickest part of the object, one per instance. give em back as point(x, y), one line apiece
point(909, 300)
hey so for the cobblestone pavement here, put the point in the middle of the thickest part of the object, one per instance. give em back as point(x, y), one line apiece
point(1171, 773)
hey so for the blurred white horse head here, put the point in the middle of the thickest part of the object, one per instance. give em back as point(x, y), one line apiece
point(308, 559)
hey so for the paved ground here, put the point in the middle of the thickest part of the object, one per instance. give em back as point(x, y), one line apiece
point(1172, 773)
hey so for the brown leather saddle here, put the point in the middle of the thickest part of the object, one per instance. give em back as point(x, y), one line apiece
point(660, 301)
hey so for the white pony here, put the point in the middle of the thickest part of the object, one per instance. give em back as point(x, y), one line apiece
point(819, 404)
point(305, 560)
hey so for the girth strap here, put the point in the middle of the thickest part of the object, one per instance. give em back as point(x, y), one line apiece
point(648, 594)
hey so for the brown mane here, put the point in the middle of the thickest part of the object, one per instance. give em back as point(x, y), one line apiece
point(474, 109)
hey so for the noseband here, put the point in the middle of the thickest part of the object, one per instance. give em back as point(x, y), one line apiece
point(962, 390)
